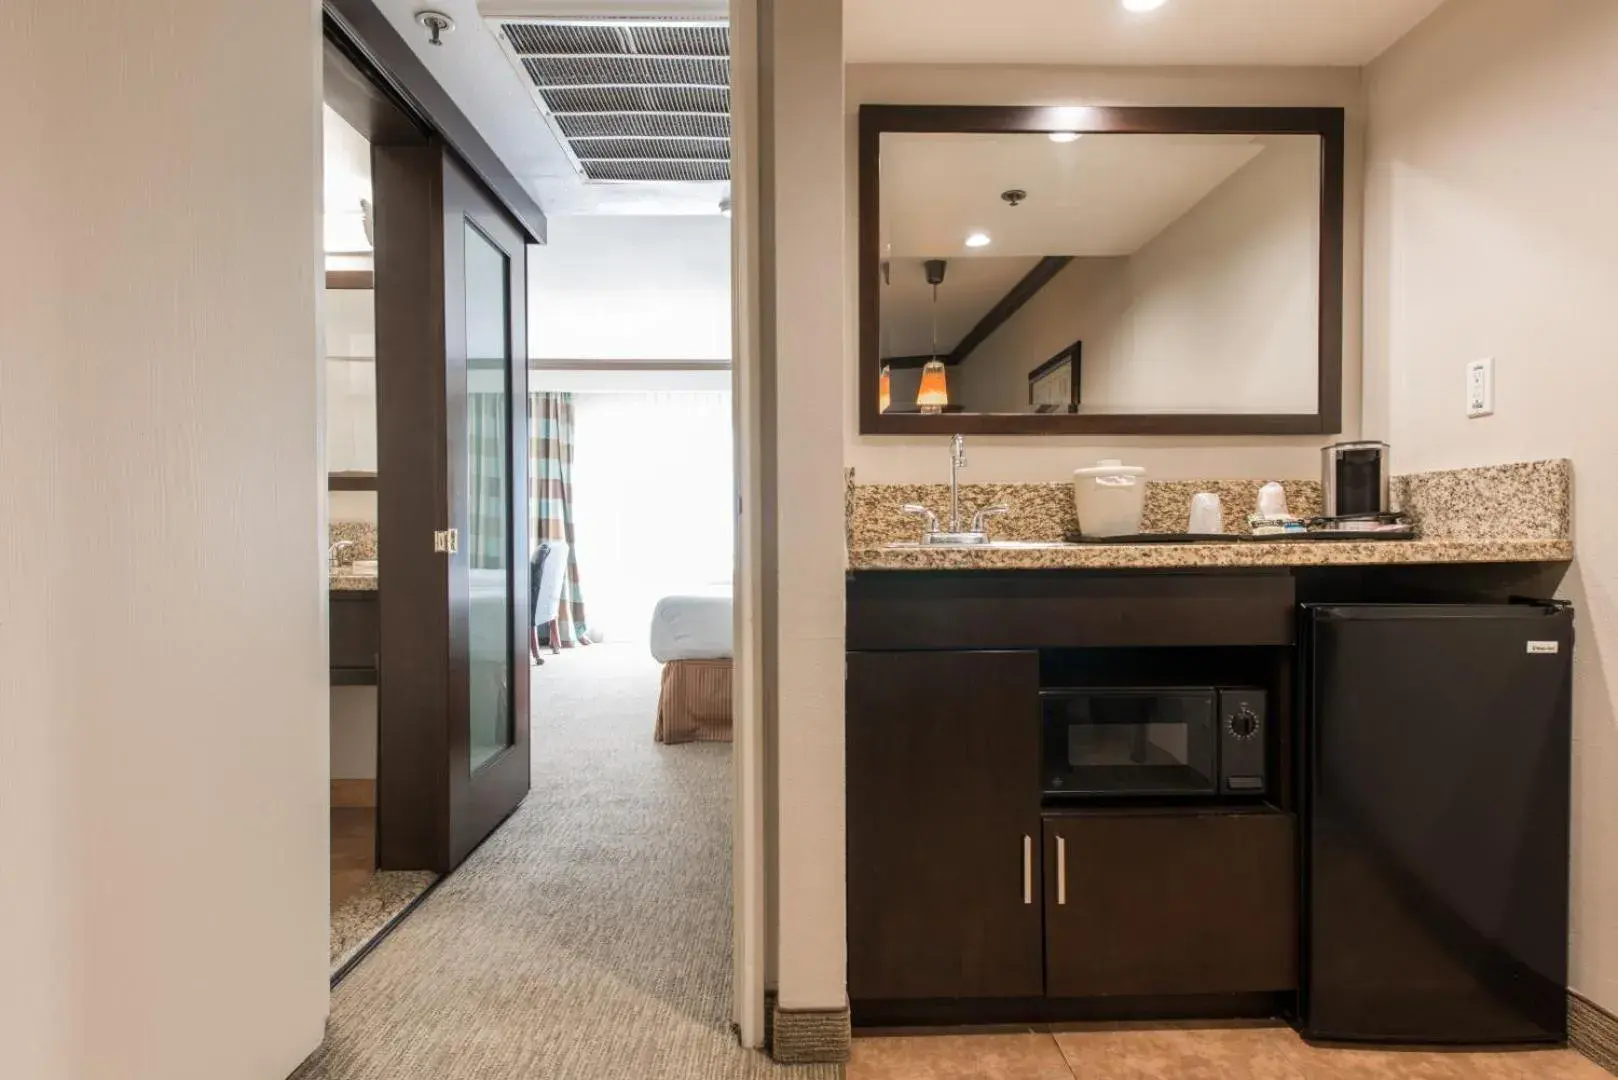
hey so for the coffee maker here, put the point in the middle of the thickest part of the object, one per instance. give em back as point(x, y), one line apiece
point(1354, 480)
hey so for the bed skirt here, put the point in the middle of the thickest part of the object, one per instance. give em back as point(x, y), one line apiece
point(694, 705)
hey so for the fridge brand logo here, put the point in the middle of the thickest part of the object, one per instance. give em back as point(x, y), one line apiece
point(1544, 647)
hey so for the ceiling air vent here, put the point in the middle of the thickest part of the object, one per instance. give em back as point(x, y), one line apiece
point(631, 99)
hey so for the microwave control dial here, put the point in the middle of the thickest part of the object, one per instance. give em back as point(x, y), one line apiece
point(1243, 723)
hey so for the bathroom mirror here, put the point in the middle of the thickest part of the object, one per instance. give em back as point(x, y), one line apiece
point(1100, 270)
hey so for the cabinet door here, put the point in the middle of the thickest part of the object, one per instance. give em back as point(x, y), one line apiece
point(943, 825)
point(1166, 903)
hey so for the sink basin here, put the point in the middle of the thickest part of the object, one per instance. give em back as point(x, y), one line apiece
point(992, 545)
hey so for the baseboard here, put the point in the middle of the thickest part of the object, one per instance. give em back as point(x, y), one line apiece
point(353, 793)
point(808, 1036)
point(1592, 1031)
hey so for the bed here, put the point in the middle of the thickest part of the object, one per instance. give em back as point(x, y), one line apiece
point(692, 638)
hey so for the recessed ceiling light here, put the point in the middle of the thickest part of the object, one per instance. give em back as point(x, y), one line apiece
point(1142, 5)
point(977, 239)
point(1064, 136)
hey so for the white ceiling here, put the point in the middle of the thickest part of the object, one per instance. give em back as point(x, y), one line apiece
point(476, 73)
point(1101, 32)
point(971, 287)
point(1102, 195)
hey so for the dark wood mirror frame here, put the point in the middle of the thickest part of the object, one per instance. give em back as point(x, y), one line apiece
point(1127, 120)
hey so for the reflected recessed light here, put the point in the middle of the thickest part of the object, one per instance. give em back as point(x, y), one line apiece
point(977, 239)
point(1142, 5)
point(1063, 136)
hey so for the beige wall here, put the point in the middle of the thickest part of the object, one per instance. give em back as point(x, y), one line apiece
point(162, 648)
point(899, 459)
point(803, 331)
point(1086, 302)
point(1492, 231)
point(1218, 311)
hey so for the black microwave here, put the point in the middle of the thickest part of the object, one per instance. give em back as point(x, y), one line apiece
point(1121, 742)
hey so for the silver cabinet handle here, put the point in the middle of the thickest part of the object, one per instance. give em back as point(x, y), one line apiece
point(1028, 869)
point(1061, 870)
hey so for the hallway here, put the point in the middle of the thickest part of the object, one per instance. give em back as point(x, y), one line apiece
point(590, 935)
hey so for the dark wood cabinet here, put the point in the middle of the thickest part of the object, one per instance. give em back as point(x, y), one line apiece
point(355, 635)
point(1170, 902)
point(943, 825)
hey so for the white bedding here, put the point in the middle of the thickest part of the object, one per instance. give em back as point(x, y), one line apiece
point(692, 627)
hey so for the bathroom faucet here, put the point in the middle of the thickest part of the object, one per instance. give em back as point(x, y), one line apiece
point(978, 532)
point(331, 552)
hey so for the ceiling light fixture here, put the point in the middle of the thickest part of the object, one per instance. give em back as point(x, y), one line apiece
point(1142, 5)
point(1064, 136)
point(977, 239)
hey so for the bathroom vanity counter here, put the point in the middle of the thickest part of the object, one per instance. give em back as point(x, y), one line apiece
point(341, 582)
point(1278, 553)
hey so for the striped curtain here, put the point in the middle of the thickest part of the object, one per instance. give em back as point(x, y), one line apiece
point(550, 501)
point(488, 466)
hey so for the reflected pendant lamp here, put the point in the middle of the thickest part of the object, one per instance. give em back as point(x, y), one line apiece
point(884, 393)
point(933, 393)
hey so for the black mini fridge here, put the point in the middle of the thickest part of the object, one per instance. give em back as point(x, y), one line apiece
point(1436, 747)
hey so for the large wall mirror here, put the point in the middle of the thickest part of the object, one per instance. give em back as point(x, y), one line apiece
point(1100, 270)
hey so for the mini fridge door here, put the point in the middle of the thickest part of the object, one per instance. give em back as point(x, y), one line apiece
point(1437, 746)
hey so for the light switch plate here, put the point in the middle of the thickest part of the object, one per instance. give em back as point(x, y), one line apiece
point(1480, 388)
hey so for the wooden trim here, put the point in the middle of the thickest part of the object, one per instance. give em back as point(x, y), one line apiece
point(365, 32)
point(350, 279)
point(1327, 123)
point(413, 689)
point(353, 793)
point(1008, 305)
point(354, 480)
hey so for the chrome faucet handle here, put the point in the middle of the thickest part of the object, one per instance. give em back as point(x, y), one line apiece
point(980, 518)
point(917, 508)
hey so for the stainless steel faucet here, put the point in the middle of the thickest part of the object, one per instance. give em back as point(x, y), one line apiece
point(978, 532)
point(331, 552)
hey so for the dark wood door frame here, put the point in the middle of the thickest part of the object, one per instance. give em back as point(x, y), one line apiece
point(364, 34)
point(1327, 123)
point(413, 737)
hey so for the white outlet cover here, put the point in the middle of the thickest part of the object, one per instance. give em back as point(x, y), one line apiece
point(1480, 388)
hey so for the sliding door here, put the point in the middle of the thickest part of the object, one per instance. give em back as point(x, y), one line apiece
point(486, 399)
point(451, 300)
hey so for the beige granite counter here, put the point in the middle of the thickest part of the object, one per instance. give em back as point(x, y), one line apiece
point(1494, 514)
point(359, 541)
point(341, 582)
point(1058, 556)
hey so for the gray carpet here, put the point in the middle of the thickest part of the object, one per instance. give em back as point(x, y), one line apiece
point(589, 936)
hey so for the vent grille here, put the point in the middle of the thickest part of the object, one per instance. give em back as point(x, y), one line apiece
point(632, 99)
point(645, 125)
point(691, 171)
point(663, 149)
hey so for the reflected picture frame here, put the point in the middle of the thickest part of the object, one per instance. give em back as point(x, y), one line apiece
point(1327, 123)
point(1053, 387)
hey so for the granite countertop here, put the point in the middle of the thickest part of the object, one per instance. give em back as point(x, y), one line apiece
point(344, 582)
point(1059, 556)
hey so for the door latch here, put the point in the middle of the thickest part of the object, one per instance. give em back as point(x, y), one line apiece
point(447, 541)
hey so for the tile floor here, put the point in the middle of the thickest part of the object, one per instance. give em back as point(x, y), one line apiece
point(1186, 1053)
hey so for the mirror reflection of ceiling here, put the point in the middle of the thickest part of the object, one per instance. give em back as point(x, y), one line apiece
point(1180, 272)
point(1098, 196)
